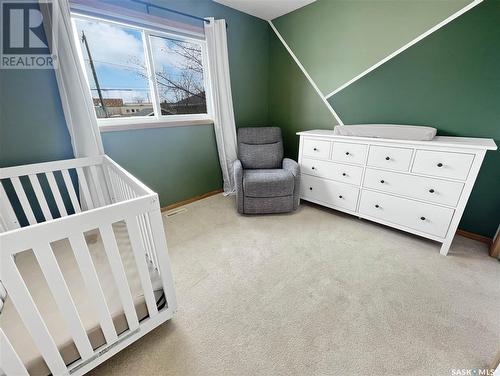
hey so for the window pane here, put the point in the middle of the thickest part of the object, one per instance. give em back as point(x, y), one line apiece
point(179, 76)
point(118, 79)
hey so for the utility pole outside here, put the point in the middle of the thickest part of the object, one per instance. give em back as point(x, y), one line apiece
point(92, 67)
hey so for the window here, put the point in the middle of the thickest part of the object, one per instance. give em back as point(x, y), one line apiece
point(139, 76)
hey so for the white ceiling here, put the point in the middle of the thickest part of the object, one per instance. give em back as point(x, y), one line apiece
point(265, 9)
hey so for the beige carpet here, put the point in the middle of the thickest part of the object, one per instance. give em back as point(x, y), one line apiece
point(317, 292)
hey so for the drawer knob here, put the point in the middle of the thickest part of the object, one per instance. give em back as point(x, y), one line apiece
point(440, 164)
point(387, 158)
point(315, 149)
point(346, 153)
point(344, 174)
point(422, 218)
point(314, 168)
point(340, 196)
point(377, 206)
point(382, 181)
point(310, 188)
point(431, 190)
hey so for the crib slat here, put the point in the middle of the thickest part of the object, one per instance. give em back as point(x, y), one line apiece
point(149, 232)
point(8, 216)
point(26, 308)
point(56, 193)
point(149, 240)
point(145, 240)
point(98, 185)
point(40, 197)
point(118, 187)
point(114, 187)
point(62, 296)
point(115, 262)
point(89, 275)
point(84, 188)
point(121, 186)
point(125, 191)
point(142, 267)
point(71, 191)
point(124, 188)
point(161, 251)
point(21, 195)
point(11, 364)
point(105, 184)
point(130, 194)
point(109, 185)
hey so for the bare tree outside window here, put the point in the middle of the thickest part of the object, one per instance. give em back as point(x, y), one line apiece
point(179, 76)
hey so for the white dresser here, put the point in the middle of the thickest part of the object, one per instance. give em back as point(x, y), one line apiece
point(417, 186)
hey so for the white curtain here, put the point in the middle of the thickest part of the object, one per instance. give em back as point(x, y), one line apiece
point(76, 101)
point(222, 109)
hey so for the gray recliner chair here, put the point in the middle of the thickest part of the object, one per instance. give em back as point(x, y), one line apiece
point(265, 181)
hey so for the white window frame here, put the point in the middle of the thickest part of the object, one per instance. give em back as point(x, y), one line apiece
point(158, 120)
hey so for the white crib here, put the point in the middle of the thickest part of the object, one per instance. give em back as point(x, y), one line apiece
point(85, 269)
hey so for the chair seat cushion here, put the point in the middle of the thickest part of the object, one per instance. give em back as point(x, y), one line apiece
point(267, 183)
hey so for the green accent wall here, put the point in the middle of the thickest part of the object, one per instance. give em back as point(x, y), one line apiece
point(450, 80)
point(178, 163)
point(295, 105)
point(336, 40)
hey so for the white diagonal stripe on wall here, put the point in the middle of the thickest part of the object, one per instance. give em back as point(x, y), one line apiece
point(297, 61)
point(406, 46)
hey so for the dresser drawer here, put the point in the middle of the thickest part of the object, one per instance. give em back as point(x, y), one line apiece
point(350, 153)
point(391, 158)
point(331, 193)
point(316, 148)
point(443, 164)
point(427, 218)
point(336, 171)
point(429, 189)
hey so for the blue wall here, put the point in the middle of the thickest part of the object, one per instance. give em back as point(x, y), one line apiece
point(32, 125)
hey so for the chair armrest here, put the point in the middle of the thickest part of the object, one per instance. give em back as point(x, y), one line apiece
point(292, 166)
point(238, 182)
point(238, 171)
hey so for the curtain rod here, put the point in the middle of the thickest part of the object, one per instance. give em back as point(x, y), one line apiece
point(149, 5)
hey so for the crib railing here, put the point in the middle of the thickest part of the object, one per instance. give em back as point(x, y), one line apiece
point(108, 194)
point(43, 185)
point(125, 187)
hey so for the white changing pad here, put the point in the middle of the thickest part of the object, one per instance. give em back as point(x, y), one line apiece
point(21, 340)
point(391, 131)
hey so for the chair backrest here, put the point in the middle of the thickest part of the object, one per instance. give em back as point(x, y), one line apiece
point(260, 147)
